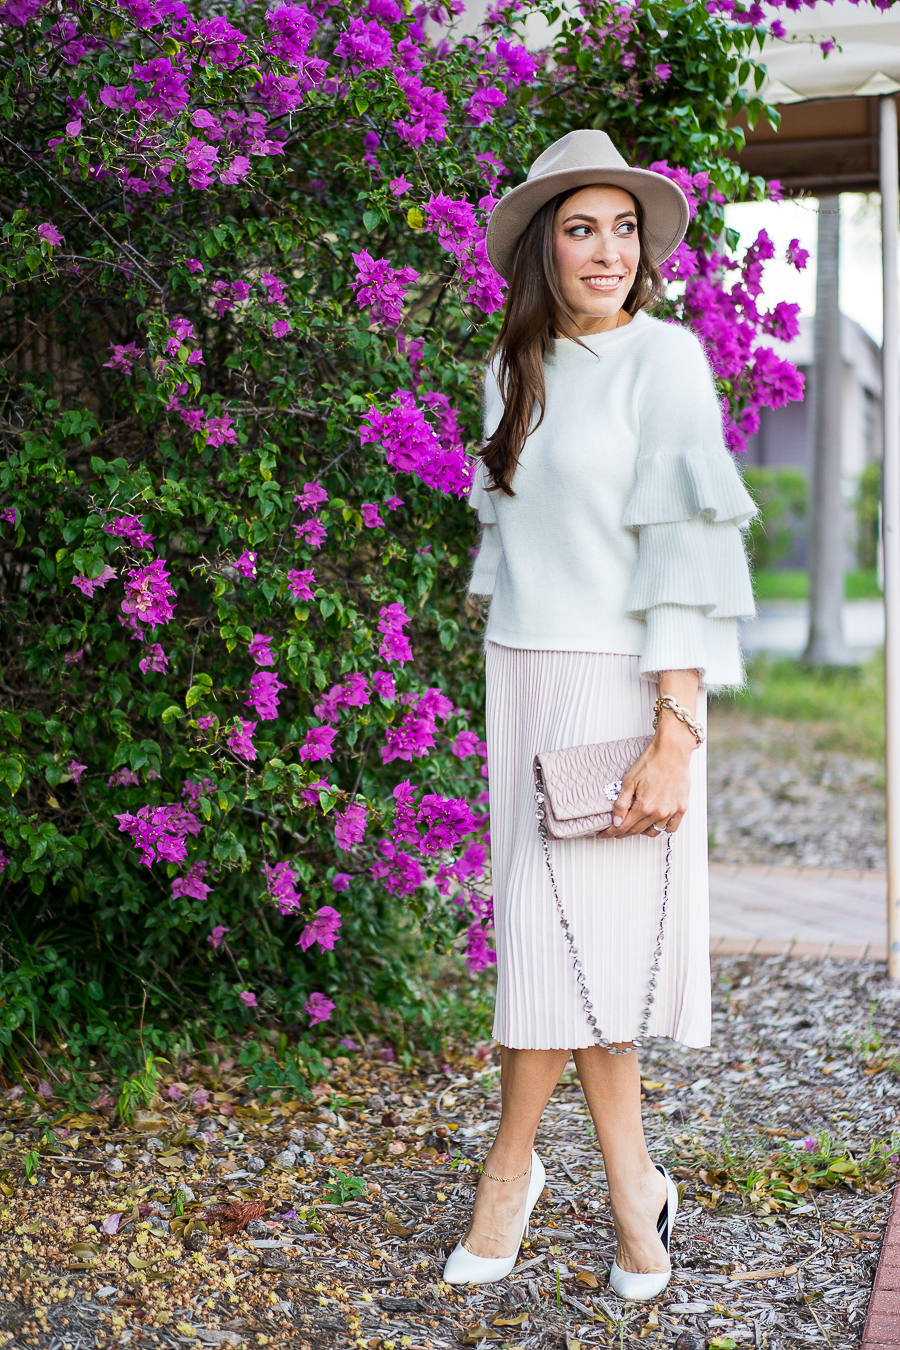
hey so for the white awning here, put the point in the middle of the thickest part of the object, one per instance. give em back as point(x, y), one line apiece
point(865, 60)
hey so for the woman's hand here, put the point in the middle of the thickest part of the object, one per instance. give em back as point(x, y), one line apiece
point(655, 789)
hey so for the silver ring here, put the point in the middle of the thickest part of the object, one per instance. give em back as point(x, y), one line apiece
point(659, 827)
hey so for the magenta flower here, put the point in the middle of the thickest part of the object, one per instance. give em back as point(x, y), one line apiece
point(123, 358)
point(123, 778)
point(131, 530)
point(194, 791)
point(75, 769)
point(248, 998)
point(319, 1008)
point(155, 659)
point(662, 71)
point(323, 930)
point(366, 44)
point(381, 286)
point(492, 169)
point(313, 495)
point(311, 532)
point(483, 104)
point(402, 874)
point(478, 954)
point(182, 328)
point(275, 292)
point(264, 687)
point(291, 26)
point(71, 658)
point(192, 883)
point(173, 1091)
point(341, 881)
point(383, 683)
point(9, 515)
point(400, 185)
point(238, 739)
point(371, 518)
point(90, 584)
point(411, 445)
point(350, 825)
point(148, 594)
point(219, 431)
point(49, 234)
point(427, 108)
point(217, 936)
point(160, 832)
point(391, 622)
point(281, 882)
point(236, 171)
point(353, 694)
point(798, 257)
point(204, 723)
point(448, 821)
point(261, 650)
point(245, 565)
point(318, 744)
point(200, 160)
point(281, 328)
point(465, 744)
point(301, 582)
point(219, 43)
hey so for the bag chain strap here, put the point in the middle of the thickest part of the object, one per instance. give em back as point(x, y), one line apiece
point(638, 1041)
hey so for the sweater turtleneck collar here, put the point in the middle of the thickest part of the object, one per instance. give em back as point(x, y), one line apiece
point(567, 352)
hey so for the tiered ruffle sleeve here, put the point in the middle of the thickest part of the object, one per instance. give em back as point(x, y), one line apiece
point(688, 508)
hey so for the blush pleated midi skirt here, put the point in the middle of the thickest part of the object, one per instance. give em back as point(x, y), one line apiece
point(611, 889)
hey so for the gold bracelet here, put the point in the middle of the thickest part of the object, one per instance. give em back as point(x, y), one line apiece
point(667, 701)
point(490, 1176)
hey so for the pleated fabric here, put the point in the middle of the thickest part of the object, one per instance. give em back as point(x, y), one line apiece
point(611, 889)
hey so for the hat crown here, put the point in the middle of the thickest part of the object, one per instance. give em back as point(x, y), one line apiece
point(584, 149)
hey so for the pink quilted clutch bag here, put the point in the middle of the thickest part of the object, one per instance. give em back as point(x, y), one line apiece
point(582, 782)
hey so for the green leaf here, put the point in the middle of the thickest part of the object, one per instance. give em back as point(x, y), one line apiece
point(371, 219)
point(194, 695)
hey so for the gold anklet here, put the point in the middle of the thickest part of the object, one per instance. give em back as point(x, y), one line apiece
point(490, 1176)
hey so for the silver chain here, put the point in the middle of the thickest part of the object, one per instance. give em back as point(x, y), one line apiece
point(638, 1040)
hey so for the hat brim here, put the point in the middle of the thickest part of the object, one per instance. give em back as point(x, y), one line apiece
point(666, 212)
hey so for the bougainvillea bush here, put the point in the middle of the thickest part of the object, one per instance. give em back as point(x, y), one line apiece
point(247, 302)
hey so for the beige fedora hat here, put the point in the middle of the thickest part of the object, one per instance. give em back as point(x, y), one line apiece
point(578, 160)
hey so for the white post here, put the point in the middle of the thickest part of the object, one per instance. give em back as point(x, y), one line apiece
point(890, 355)
point(826, 646)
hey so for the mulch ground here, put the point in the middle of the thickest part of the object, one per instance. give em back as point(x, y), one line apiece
point(781, 1137)
point(775, 798)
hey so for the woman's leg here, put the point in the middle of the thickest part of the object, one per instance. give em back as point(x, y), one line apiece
point(637, 1192)
point(527, 1080)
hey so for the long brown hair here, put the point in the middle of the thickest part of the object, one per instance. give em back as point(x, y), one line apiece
point(535, 310)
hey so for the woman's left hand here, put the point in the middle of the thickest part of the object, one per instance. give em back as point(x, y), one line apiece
point(655, 789)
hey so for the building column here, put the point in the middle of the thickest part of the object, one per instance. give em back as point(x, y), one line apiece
point(826, 645)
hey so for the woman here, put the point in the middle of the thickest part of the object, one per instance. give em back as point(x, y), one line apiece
point(612, 551)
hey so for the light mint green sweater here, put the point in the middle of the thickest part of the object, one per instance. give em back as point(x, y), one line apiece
point(625, 531)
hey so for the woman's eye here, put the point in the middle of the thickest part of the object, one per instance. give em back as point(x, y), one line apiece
point(627, 227)
point(580, 232)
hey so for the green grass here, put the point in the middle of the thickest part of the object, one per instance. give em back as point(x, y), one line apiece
point(794, 585)
point(844, 709)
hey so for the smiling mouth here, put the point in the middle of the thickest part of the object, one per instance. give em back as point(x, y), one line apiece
point(603, 282)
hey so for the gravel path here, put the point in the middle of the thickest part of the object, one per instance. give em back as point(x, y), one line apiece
point(774, 799)
point(780, 1135)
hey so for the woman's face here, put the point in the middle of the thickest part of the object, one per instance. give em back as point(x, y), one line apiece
point(597, 250)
